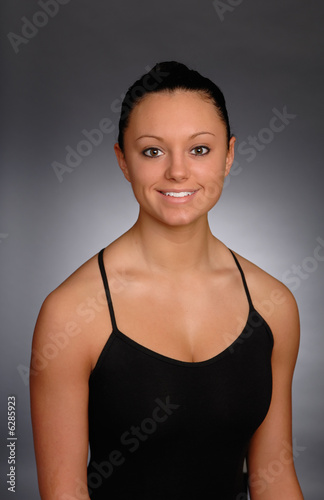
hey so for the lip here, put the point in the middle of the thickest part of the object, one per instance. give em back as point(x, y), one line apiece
point(181, 199)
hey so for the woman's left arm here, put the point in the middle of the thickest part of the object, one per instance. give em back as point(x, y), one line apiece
point(271, 457)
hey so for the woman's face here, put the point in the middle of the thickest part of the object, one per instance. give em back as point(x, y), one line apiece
point(176, 156)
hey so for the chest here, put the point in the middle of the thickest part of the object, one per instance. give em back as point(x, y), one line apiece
point(189, 322)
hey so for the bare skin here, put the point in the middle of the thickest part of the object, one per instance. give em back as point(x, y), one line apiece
point(168, 261)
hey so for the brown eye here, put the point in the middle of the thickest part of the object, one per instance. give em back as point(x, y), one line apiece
point(152, 152)
point(200, 150)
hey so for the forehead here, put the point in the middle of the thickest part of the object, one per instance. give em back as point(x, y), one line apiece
point(179, 108)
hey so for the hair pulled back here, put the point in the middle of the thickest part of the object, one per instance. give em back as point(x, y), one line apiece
point(167, 77)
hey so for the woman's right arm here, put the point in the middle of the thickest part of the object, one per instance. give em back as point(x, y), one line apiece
point(59, 374)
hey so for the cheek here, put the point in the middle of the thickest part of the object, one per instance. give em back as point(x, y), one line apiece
point(142, 173)
point(214, 189)
point(141, 178)
point(213, 173)
point(212, 179)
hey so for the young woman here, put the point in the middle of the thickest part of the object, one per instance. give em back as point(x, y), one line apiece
point(172, 355)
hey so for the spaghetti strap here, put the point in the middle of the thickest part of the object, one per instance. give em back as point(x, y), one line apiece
point(105, 282)
point(243, 279)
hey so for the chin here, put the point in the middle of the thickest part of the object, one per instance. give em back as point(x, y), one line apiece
point(178, 216)
point(181, 220)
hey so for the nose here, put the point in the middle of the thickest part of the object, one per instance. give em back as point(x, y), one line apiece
point(178, 168)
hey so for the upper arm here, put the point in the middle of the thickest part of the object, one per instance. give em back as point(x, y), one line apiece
point(59, 375)
point(270, 458)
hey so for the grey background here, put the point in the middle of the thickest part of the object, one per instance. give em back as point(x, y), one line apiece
point(264, 55)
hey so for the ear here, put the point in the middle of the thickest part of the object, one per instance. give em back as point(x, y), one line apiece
point(121, 161)
point(230, 155)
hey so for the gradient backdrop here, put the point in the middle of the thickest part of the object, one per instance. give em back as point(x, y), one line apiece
point(64, 72)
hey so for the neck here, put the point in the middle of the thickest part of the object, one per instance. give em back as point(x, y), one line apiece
point(173, 248)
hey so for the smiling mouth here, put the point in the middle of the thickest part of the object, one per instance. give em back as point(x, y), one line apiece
point(180, 194)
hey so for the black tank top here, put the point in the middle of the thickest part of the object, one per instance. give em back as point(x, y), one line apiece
point(160, 428)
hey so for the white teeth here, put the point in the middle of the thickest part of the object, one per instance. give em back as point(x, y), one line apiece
point(179, 195)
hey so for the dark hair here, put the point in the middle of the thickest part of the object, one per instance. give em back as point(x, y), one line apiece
point(167, 77)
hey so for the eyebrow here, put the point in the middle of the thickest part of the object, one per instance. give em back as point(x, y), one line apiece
point(161, 139)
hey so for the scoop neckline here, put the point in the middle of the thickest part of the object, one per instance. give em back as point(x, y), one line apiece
point(168, 359)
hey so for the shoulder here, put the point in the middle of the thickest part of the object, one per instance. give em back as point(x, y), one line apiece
point(276, 304)
point(264, 288)
point(74, 318)
point(62, 302)
point(61, 326)
point(81, 295)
